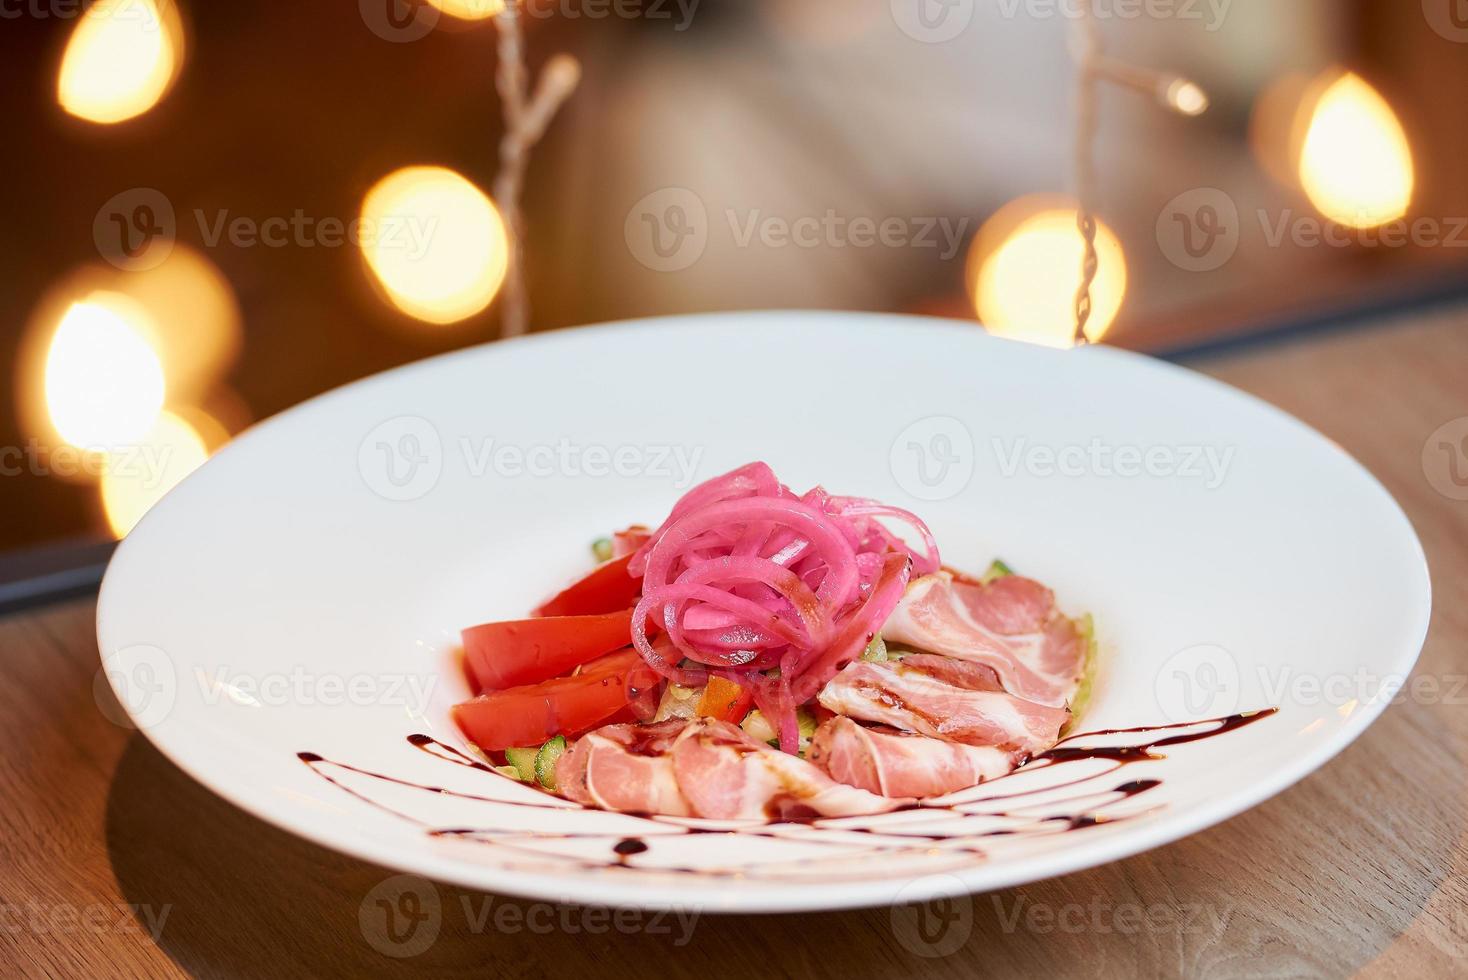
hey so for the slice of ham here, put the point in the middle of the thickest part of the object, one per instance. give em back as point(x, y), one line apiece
point(703, 768)
point(892, 763)
point(727, 775)
point(1010, 626)
point(890, 694)
point(960, 673)
point(624, 767)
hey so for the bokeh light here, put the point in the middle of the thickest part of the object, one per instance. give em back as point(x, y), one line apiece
point(1186, 97)
point(122, 58)
point(1356, 164)
point(133, 482)
point(104, 382)
point(435, 242)
point(195, 317)
point(1025, 269)
point(469, 9)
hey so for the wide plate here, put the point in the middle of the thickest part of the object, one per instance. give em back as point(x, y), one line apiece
point(302, 592)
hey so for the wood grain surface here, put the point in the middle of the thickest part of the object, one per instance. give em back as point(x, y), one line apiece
point(114, 863)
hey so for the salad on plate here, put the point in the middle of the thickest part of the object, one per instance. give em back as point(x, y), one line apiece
point(770, 655)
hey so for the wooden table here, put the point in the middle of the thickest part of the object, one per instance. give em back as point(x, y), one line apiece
point(1363, 866)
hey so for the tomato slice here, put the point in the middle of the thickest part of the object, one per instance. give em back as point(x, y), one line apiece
point(725, 700)
point(608, 588)
point(525, 651)
point(604, 691)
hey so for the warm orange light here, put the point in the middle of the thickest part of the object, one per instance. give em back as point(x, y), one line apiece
point(1186, 97)
point(133, 482)
point(195, 316)
point(1025, 269)
point(1355, 163)
point(104, 382)
point(469, 9)
point(435, 242)
point(122, 57)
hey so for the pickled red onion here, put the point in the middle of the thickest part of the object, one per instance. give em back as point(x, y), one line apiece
point(773, 590)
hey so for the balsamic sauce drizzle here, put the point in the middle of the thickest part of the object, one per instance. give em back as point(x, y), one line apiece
point(886, 831)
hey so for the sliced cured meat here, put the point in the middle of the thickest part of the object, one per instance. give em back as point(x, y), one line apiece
point(726, 775)
point(1010, 626)
point(892, 763)
point(960, 673)
point(624, 767)
point(890, 694)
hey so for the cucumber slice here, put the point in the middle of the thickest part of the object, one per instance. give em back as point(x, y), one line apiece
point(997, 570)
point(524, 762)
point(601, 549)
point(545, 761)
point(1086, 627)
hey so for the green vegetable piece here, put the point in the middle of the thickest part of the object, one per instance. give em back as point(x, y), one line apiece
point(524, 762)
point(876, 651)
point(807, 723)
point(602, 549)
point(545, 761)
point(758, 727)
point(1086, 628)
point(997, 570)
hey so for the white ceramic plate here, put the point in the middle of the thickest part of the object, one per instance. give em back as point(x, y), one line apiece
point(303, 592)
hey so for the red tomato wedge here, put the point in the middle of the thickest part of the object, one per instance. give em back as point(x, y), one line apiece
point(604, 691)
point(526, 651)
point(608, 588)
point(725, 700)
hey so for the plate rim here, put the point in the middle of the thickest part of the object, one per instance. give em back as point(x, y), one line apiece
point(795, 896)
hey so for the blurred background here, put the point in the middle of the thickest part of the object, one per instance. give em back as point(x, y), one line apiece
point(217, 210)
